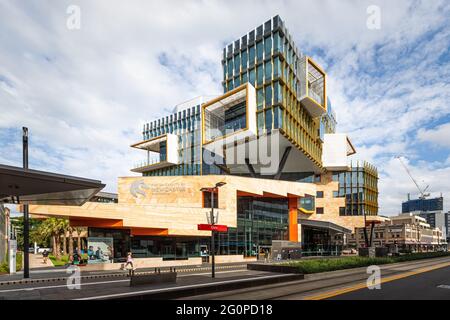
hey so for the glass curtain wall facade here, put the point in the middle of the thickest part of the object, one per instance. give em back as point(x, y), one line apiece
point(259, 221)
point(435, 204)
point(359, 186)
point(268, 58)
point(169, 248)
point(186, 124)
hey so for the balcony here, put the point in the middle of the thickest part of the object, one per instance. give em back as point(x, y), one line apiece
point(229, 118)
point(162, 151)
point(313, 87)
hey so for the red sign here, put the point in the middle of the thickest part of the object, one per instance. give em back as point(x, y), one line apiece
point(216, 227)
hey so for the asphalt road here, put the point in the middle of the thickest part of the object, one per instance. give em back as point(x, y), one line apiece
point(419, 279)
point(432, 285)
point(422, 279)
point(112, 286)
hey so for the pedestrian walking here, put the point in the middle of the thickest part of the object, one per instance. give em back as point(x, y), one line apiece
point(45, 256)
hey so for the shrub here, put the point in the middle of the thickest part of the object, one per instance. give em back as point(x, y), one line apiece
point(324, 265)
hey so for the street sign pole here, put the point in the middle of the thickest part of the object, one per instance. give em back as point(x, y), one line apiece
point(212, 226)
point(213, 264)
point(26, 223)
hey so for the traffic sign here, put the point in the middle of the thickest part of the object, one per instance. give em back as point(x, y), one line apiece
point(214, 227)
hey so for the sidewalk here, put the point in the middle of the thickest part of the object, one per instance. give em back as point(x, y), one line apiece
point(36, 261)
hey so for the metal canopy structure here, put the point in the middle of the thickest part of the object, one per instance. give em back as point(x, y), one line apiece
point(324, 225)
point(25, 186)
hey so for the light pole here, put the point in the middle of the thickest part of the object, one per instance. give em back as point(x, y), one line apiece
point(212, 222)
point(26, 223)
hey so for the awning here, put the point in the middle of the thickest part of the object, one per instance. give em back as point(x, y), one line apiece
point(25, 186)
point(323, 225)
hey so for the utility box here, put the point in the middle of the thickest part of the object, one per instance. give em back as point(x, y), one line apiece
point(12, 256)
point(367, 252)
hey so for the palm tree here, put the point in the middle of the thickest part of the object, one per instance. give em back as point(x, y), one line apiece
point(64, 227)
point(70, 229)
point(54, 227)
point(79, 231)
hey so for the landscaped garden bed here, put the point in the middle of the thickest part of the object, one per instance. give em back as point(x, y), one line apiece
point(324, 265)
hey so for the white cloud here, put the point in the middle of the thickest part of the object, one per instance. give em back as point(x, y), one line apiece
point(85, 94)
point(439, 136)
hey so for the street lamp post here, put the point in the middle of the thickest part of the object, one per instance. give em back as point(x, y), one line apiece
point(213, 222)
point(26, 222)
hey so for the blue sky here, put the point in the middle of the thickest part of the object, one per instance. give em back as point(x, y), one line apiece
point(85, 94)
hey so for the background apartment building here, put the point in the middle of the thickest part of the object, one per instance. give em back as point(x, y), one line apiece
point(407, 232)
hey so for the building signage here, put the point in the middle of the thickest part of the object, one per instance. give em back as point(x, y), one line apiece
point(215, 227)
point(139, 187)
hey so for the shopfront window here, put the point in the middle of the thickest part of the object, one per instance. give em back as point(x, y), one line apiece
point(260, 221)
point(169, 248)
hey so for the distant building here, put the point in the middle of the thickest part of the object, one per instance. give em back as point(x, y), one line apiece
point(447, 223)
point(409, 232)
point(436, 219)
point(435, 204)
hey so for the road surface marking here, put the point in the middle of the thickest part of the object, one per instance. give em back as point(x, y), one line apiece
point(103, 282)
point(134, 293)
point(363, 285)
point(60, 286)
point(444, 286)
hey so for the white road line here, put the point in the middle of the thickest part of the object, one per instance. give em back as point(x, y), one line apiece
point(104, 282)
point(60, 286)
point(444, 286)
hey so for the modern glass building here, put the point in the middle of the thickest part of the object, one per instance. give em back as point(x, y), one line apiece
point(183, 125)
point(260, 220)
point(359, 186)
point(275, 97)
point(290, 99)
point(290, 87)
point(435, 204)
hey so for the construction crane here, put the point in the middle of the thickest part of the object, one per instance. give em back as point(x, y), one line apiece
point(423, 195)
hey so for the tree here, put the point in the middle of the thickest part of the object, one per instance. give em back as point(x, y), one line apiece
point(35, 235)
point(70, 229)
point(54, 228)
point(79, 231)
